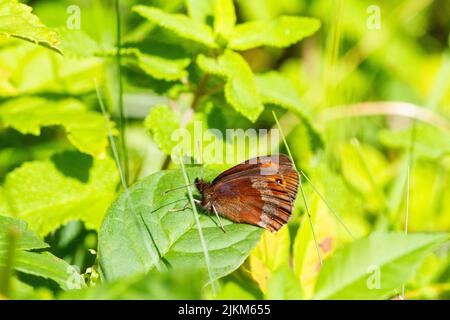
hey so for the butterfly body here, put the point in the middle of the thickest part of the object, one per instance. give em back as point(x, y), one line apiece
point(260, 191)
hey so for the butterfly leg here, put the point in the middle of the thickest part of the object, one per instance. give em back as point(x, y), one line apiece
point(181, 209)
point(218, 218)
point(185, 206)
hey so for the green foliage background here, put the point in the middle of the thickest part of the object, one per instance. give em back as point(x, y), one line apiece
point(365, 109)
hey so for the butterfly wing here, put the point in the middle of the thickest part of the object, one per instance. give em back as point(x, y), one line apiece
point(259, 191)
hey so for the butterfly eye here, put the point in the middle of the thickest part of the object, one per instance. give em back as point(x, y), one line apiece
point(279, 181)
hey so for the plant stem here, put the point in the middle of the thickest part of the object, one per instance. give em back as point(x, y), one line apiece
point(121, 115)
point(12, 235)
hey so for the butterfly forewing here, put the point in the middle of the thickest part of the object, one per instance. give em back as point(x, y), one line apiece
point(259, 191)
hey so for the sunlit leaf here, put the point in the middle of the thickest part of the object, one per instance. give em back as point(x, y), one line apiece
point(182, 25)
point(224, 17)
point(86, 130)
point(240, 87)
point(141, 230)
point(373, 267)
point(304, 253)
point(284, 285)
point(276, 89)
point(281, 32)
point(232, 291)
point(16, 20)
point(270, 253)
point(161, 122)
point(69, 186)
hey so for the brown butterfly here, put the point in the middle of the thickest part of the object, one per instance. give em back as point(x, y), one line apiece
point(260, 191)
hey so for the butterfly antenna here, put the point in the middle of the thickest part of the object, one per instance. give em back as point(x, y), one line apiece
point(301, 188)
point(177, 188)
point(218, 218)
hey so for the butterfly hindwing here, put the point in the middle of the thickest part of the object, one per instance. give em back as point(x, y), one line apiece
point(260, 191)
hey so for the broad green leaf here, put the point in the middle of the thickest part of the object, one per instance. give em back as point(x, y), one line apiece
point(86, 130)
point(430, 142)
point(78, 43)
point(161, 123)
point(68, 186)
point(281, 32)
point(284, 285)
point(159, 67)
point(304, 253)
point(373, 267)
point(34, 70)
point(16, 20)
point(270, 253)
point(276, 89)
point(224, 17)
point(180, 24)
point(14, 235)
point(141, 230)
point(240, 87)
point(171, 285)
point(232, 291)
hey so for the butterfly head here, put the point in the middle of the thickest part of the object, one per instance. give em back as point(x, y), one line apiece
point(204, 188)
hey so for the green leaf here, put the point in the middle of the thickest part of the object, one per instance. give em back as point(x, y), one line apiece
point(140, 227)
point(16, 20)
point(306, 263)
point(199, 10)
point(154, 285)
point(240, 87)
point(232, 291)
point(161, 122)
point(270, 253)
point(224, 17)
point(15, 236)
point(180, 24)
point(283, 285)
point(34, 70)
point(86, 130)
point(282, 32)
point(276, 89)
point(69, 186)
point(158, 66)
point(373, 267)
point(430, 142)
point(77, 43)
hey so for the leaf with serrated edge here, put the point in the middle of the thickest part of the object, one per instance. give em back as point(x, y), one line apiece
point(240, 87)
point(69, 186)
point(182, 25)
point(16, 20)
point(174, 233)
point(161, 122)
point(276, 89)
point(85, 129)
point(282, 32)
